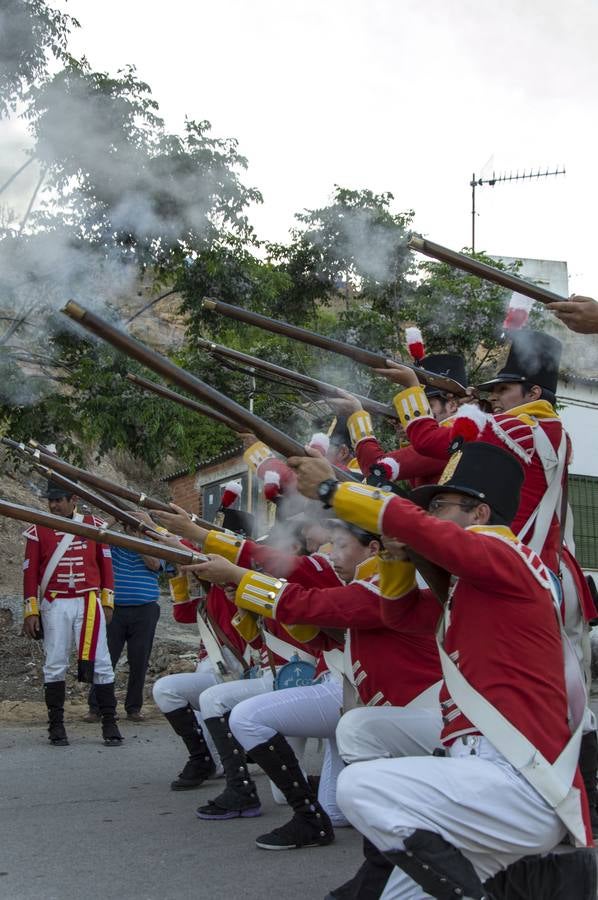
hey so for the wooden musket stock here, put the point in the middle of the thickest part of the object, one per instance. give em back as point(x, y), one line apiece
point(273, 437)
point(358, 354)
point(178, 556)
point(483, 270)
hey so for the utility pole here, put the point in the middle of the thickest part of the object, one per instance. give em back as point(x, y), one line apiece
point(478, 182)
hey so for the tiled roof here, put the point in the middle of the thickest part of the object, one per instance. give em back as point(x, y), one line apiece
point(220, 457)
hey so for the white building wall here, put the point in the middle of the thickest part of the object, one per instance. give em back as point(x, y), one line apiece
point(579, 412)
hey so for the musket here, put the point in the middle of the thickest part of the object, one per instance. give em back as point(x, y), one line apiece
point(483, 270)
point(357, 354)
point(159, 389)
point(96, 481)
point(313, 385)
point(178, 556)
point(273, 437)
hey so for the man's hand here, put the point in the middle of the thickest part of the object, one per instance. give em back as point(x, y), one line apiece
point(179, 522)
point(248, 439)
point(579, 314)
point(31, 626)
point(311, 471)
point(398, 374)
point(345, 404)
point(217, 569)
point(395, 549)
point(108, 614)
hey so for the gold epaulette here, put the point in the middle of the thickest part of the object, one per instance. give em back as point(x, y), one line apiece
point(258, 453)
point(412, 404)
point(31, 607)
point(107, 598)
point(259, 593)
point(397, 577)
point(359, 425)
point(179, 588)
point(246, 624)
point(361, 504)
point(224, 544)
point(302, 633)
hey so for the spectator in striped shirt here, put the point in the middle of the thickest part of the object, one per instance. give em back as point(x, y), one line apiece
point(136, 614)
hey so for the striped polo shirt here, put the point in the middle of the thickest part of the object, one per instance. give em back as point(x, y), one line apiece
point(134, 583)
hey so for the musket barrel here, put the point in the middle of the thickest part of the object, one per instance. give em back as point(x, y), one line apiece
point(276, 439)
point(176, 555)
point(483, 270)
point(305, 381)
point(162, 391)
point(358, 354)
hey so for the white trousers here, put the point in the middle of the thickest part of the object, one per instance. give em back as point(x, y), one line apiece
point(383, 732)
point(222, 698)
point(475, 801)
point(174, 691)
point(62, 620)
point(299, 713)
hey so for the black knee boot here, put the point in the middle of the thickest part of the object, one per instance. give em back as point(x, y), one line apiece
point(200, 764)
point(54, 694)
point(438, 867)
point(239, 799)
point(558, 876)
point(107, 706)
point(369, 881)
point(588, 763)
point(310, 826)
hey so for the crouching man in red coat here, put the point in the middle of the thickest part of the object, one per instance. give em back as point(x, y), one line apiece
point(68, 590)
point(507, 785)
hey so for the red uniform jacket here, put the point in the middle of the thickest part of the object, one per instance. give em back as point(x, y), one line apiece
point(85, 566)
point(503, 632)
point(394, 654)
point(413, 466)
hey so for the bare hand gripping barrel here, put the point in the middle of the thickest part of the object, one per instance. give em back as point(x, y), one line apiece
point(483, 270)
point(273, 437)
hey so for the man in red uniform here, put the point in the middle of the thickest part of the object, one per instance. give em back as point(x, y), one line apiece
point(508, 785)
point(68, 586)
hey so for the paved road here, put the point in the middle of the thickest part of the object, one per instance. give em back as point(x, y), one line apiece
point(89, 821)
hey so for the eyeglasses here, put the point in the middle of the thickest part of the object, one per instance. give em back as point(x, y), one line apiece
point(467, 505)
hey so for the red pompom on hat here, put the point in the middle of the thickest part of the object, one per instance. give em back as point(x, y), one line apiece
point(518, 312)
point(232, 491)
point(469, 424)
point(277, 477)
point(389, 467)
point(415, 343)
point(320, 441)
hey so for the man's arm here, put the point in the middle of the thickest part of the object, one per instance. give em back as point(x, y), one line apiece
point(579, 314)
point(31, 579)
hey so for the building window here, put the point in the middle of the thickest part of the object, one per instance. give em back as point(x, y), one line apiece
point(583, 497)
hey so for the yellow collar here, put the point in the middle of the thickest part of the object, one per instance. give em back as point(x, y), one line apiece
point(366, 569)
point(502, 531)
point(538, 409)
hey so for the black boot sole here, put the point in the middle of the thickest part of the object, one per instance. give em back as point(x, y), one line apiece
point(113, 742)
point(59, 742)
point(264, 846)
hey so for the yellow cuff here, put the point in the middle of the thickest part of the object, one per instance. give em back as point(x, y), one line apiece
point(360, 426)
point(302, 633)
point(246, 624)
point(255, 455)
point(361, 504)
point(412, 404)
point(224, 544)
point(107, 598)
point(397, 577)
point(259, 593)
point(179, 589)
point(31, 607)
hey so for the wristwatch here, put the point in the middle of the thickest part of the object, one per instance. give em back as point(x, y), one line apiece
point(326, 491)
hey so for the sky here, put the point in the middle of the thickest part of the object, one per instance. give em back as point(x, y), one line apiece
point(406, 96)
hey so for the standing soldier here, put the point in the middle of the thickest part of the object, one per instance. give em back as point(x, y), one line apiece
point(68, 595)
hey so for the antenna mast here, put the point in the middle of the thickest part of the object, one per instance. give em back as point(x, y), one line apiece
point(478, 182)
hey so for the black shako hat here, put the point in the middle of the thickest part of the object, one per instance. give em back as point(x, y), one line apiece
point(534, 358)
point(239, 521)
point(482, 471)
point(54, 491)
point(450, 364)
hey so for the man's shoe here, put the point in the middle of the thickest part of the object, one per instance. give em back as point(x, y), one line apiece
point(111, 735)
point(136, 716)
point(91, 716)
point(311, 830)
point(194, 773)
point(57, 735)
point(213, 811)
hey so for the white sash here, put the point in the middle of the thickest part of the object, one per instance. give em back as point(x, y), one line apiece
point(285, 650)
point(427, 699)
point(553, 781)
point(60, 550)
point(212, 647)
point(553, 463)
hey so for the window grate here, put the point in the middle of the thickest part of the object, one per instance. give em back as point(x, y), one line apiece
point(583, 497)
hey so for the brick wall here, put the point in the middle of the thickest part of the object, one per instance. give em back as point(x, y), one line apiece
point(185, 494)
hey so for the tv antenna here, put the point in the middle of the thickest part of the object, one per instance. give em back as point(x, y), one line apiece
point(496, 179)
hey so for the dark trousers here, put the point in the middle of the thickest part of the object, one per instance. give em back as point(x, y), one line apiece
point(134, 626)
